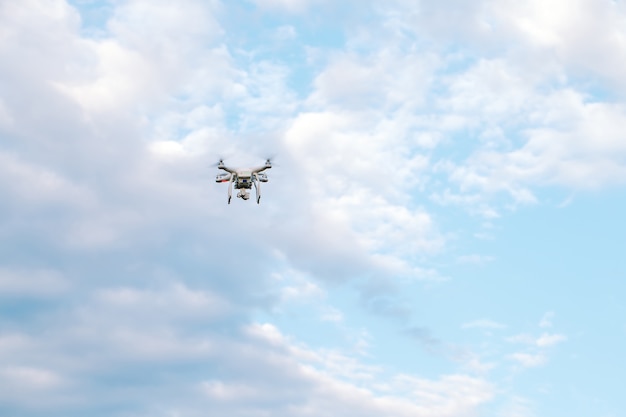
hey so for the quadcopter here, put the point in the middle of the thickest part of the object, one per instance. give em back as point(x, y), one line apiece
point(243, 178)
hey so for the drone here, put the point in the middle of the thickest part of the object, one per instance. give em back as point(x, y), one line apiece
point(243, 178)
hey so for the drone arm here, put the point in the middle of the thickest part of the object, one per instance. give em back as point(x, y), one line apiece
point(225, 168)
point(267, 165)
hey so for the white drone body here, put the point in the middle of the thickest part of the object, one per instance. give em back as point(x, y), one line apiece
point(243, 178)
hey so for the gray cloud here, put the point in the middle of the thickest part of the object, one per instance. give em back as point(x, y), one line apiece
point(425, 338)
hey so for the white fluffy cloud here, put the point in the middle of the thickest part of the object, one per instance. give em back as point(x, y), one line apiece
point(340, 385)
point(124, 333)
point(531, 121)
point(293, 6)
point(574, 143)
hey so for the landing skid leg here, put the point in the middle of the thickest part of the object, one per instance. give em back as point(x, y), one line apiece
point(257, 185)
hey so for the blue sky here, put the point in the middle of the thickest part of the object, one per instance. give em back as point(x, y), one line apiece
point(441, 235)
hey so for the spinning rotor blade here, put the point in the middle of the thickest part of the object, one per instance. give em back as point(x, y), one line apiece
point(270, 159)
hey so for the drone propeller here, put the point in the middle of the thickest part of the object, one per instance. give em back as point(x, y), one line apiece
point(221, 162)
point(270, 159)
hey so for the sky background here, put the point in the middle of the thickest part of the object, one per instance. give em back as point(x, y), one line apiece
point(442, 234)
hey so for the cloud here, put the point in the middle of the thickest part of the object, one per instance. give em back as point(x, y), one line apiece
point(32, 283)
point(292, 6)
point(329, 394)
point(583, 37)
point(486, 324)
point(512, 86)
point(546, 339)
point(152, 50)
point(475, 259)
point(587, 36)
point(361, 208)
point(528, 360)
point(174, 300)
point(546, 320)
point(257, 368)
point(32, 378)
point(285, 33)
point(517, 407)
point(537, 349)
point(424, 337)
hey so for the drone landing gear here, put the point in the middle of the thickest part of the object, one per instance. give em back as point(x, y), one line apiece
point(257, 187)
